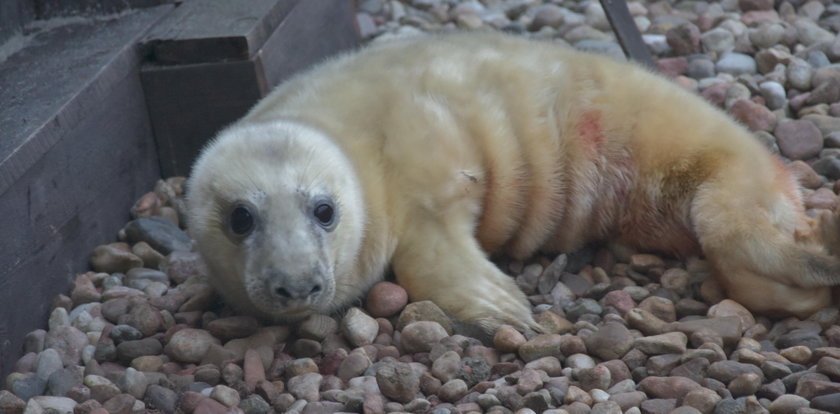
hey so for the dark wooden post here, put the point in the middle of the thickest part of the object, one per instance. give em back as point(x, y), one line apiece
point(211, 60)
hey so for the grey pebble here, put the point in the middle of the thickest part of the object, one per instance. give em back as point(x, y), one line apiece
point(254, 404)
point(774, 95)
point(736, 64)
point(161, 398)
point(718, 40)
point(28, 386)
point(799, 74)
point(158, 232)
point(398, 381)
point(701, 68)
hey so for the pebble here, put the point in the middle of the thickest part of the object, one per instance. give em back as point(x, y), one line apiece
point(225, 395)
point(773, 94)
point(827, 402)
point(799, 74)
point(541, 346)
point(62, 381)
point(68, 342)
point(684, 39)
point(113, 258)
point(702, 399)
point(810, 33)
point(101, 388)
point(161, 398)
point(9, 403)
point(386, 299)
point(745, 384)
point(767, 35)
point(398, 381)
point(700, 68)
point(668, 387)
point(736, 64)
point(306, 386)
point(51, 404)
point(508, 339)
point(547, 15)
point(127, 351)
point(189, 345)
point(755, 116)
point(667, 343)
point(159, 233)
point(611, 341)
point(424, 310)
point(233, 327)
point(718, 41)
point(353, 366)
point(421, 335)
point(787, 404)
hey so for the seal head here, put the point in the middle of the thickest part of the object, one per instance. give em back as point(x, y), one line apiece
point(277, 213)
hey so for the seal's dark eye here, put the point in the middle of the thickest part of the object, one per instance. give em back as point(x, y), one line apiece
point(324, 213)
point(241, 220)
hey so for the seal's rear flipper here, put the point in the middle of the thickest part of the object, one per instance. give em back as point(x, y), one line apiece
point(762, 256)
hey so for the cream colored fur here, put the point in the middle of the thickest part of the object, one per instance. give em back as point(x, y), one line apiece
point(443, 149)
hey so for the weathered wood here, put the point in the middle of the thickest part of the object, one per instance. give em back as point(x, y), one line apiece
point(48, 9)
point(189, 103)
point(44, 87)
point(14, 15)
point(77, 150)
point(201, 31)
point(626, 31)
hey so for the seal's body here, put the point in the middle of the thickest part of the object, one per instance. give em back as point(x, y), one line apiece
point(429, 153)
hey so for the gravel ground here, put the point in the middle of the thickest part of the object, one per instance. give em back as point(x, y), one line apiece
point(628, 332)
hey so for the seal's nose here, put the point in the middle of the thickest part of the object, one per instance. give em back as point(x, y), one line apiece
point(297, 291)
point(286, 287)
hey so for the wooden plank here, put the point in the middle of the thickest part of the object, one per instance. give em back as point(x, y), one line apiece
point(14, 15)
point(86, 161)
point(201, 31)
point(626, 31)
point(188, 104)
point(47, 88)
point(48, 9)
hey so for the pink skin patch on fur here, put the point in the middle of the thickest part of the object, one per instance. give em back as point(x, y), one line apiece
point(589, 132)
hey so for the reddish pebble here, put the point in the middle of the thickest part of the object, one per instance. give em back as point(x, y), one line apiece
point(210, 406)
point(385, 299)
point(253, 367)
point(822, 198)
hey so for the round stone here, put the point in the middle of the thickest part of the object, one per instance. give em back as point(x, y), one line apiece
point(189, 345)
point(798, 139)
point(421, 335)
point(386, 299)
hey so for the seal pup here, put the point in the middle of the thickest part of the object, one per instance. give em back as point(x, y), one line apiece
point(427, 154)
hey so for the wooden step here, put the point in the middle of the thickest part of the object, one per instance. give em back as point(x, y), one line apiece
point(76, 149)
point(201, 76)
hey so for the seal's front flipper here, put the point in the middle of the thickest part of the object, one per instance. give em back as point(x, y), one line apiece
point(447, 266)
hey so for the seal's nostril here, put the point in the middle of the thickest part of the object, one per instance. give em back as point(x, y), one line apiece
point(315, 290)
point(282, 292)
